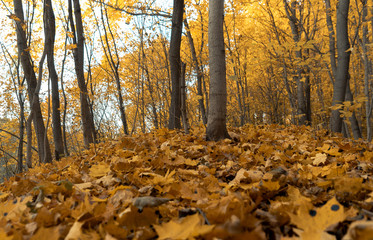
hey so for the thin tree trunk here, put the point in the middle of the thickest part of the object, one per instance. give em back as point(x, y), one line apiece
point(78, 52)
point(175, 64)
point(329, 24)
point(183, 99)
point(288, 88)
point(50, 32)
point(199, 73)
point(21, 134)
point(33, 93)
point(64, 97)
point(353, 120)
point(294, 22)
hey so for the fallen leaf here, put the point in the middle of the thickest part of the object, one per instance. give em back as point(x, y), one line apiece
point(188, 227)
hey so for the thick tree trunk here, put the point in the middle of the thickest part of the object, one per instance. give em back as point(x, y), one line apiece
point(332, 51)
point(28, 69)
point(216, 121)
point(341, 81)
point(175, 63)
point(78, 39)
point(50, 32)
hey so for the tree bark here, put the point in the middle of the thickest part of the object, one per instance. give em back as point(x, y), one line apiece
point(341, 81)
point(50, 33)
point(175, 64)
point(353, 120)
point(216, 121)
point(78, 52)
point(199, 73)
point(183, 99)
point(29, 72)
point(302, 86)
point(367, 72)
point(329, 24)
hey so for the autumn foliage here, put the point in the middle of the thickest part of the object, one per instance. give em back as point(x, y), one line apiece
point(267, 182)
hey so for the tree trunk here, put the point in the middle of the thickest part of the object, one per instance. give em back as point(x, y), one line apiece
point(367, 72)
point(29, 72)
point(302, 86)
point(50, 32)
point(216, 121)
point(64, 100)
point(353, 120)
point(21, 133)
point(175, 63)
point(341, 81)
point(331, 38)
point(183, 99)
point(78, 52)
point(114, 65)
point(199, 73)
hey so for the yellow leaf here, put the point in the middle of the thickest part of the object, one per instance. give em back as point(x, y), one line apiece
point(188, 227)
point(14, 209)
point(99, 170)
point(271, 186)
point(349, 185)
point(3, 196)
point(336, 107)
point(314, 222)
point(84, 185)
point(320, 158)
point(71, 46)
point(75, 231)
point(70, 34)
point(14, 17)
point(350, 49)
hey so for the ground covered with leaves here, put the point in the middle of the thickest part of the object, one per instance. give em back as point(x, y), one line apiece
point(267, 182)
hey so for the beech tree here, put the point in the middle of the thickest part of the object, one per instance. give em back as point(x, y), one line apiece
point(216, 121)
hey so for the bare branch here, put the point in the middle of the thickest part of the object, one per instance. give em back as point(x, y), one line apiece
point(151, 12)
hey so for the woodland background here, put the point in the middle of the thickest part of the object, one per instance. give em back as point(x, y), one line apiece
point(281, 66)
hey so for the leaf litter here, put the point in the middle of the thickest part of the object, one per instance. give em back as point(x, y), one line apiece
point(268, 182)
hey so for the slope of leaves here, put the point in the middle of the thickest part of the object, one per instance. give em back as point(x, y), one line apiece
point(267, 182)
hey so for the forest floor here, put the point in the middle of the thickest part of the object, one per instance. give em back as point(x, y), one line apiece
point(267, 182)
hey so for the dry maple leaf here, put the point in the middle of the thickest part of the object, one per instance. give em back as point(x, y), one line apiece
point(314, 222)
point(188, 227)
